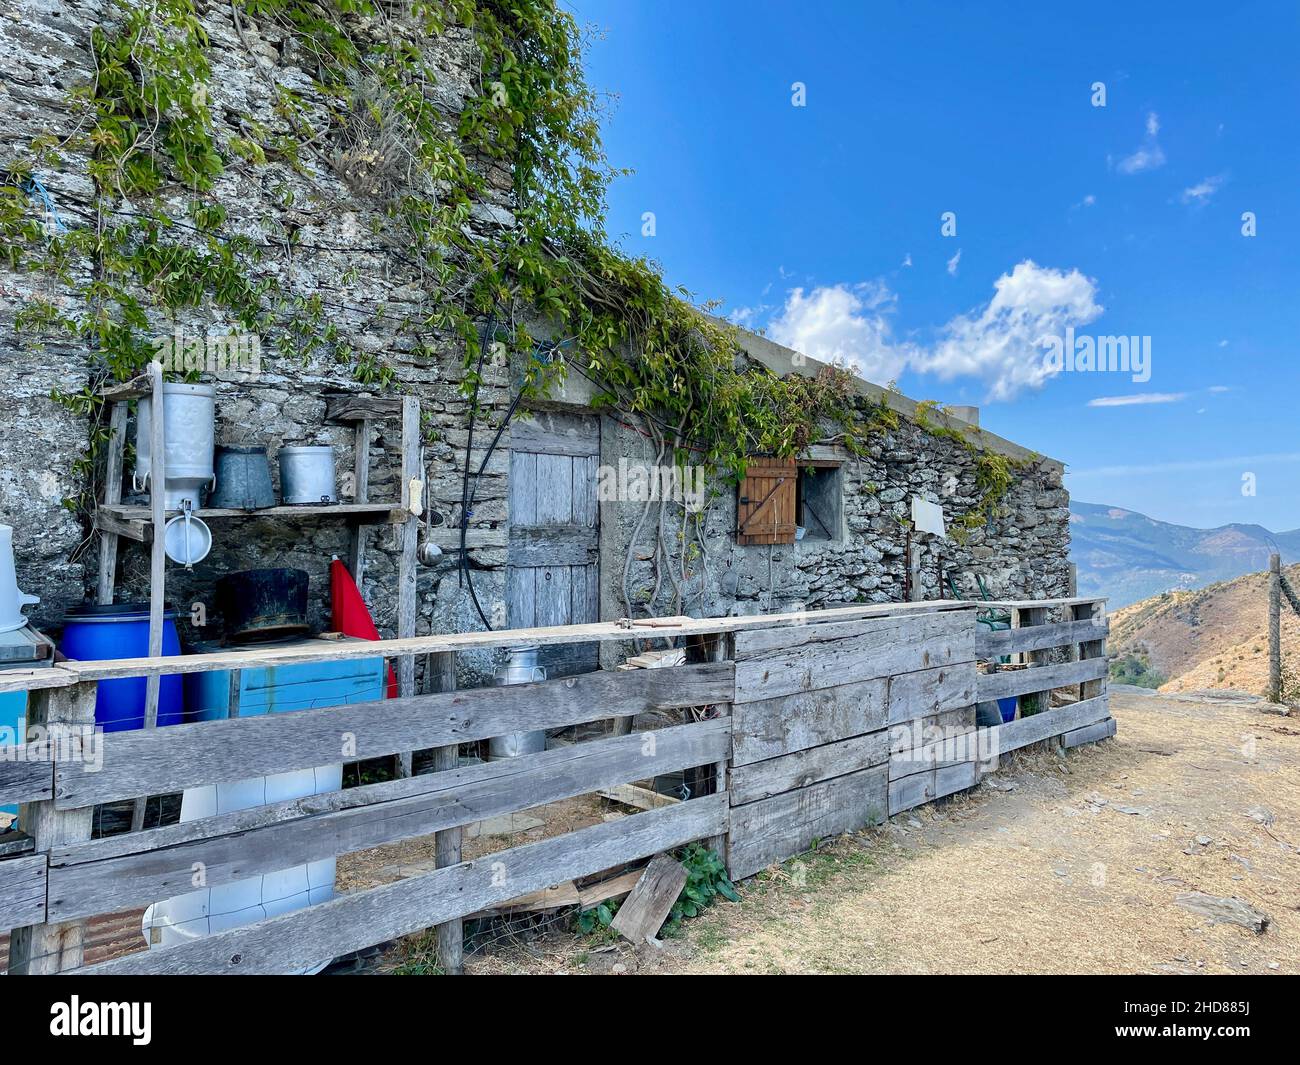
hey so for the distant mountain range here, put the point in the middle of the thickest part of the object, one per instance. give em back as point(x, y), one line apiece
point(1128, 556)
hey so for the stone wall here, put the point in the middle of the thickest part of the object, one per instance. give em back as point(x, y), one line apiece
point(368, 288)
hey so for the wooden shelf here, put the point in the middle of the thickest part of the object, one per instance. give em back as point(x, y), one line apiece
point(135, 522)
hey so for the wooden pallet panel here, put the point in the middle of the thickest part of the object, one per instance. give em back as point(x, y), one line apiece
point(909, 791)
point(1040, 678)
point(768, 728)
point(785, 825)
point(762, 780)
point(819, 657)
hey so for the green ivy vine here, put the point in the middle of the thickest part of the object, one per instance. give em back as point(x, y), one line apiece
point(158, 242)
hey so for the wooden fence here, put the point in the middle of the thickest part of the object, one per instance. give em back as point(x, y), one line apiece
point(805, 726)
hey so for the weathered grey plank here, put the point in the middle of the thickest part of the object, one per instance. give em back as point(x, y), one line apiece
point(926, 692)
point(1027, 730)
point(24, 777)
point(907, 792)
point(1100, 730)
point(880, 648)
point(81, 885)
point(648, 906)
point(552, 545)
point(1039, 678)
point(22, 891)
point(330, 651)
point(352, 922)
point(774, 829)
point(905, 735)
point(768, 728)
point(166, 760)
point(555, 434)
point(761, 780)
point(1038, 637)
point(934, 749)
point(768, 642)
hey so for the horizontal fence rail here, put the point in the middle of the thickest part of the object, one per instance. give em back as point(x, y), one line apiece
point(803, 726)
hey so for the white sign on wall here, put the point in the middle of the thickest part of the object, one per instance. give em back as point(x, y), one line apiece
point(927, 517)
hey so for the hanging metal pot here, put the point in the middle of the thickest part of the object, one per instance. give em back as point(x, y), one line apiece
point(243, 480)
point(307, 475)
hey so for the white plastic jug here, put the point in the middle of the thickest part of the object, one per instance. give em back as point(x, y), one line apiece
point(12, 600)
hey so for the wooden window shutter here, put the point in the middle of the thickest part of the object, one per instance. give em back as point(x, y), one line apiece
point(765, 504)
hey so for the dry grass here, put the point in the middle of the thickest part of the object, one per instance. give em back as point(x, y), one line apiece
point(1049, 876)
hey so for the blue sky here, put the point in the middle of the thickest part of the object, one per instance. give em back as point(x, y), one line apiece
point(822, 223)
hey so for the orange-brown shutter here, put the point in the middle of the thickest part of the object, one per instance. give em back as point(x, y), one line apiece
point(765, 505)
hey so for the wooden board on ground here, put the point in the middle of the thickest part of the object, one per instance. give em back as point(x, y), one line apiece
point(647, 907)
point(774, 829)
point(1100, 730)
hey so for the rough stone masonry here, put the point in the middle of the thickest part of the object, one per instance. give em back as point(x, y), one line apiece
point(367, 288)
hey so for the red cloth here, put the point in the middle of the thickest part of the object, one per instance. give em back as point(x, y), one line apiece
point(350, 613)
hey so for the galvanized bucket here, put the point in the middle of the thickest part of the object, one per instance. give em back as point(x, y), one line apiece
point(520, 668)
point(243, 480)
point(307, 475)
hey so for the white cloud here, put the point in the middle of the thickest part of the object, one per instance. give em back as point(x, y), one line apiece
point(844, 324)
point(1002, 343)
point(1150, 155)
point(907, 259)
point(999, 343)
point(952, 263)
point(1219, 388)
point(1201, 193)
point(1138, 399)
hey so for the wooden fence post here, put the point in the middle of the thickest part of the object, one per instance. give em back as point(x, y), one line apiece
point(65, 714)
point(451, 935)
point(1275, 628)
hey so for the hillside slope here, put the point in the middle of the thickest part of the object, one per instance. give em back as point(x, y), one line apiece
point(1129, 556)
point(1214, 637)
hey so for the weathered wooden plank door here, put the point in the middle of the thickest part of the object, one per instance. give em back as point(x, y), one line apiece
point(553, 574)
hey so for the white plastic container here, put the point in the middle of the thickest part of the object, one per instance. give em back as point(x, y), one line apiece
point(12, 600)
point(189, 432)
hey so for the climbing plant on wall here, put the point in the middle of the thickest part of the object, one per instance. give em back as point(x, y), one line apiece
point(159, 243)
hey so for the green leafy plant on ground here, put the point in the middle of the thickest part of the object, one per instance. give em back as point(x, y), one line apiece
point(706, 881)
point(1135, 669)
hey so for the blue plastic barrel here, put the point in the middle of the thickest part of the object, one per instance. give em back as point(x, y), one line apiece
point(1007, 708)
point(92, 633)
point(13, 709)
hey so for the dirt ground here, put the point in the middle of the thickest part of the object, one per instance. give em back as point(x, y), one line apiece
point(1054, 864)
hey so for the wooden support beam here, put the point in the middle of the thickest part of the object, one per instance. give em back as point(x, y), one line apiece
point(361, 494)
point(1275, 628)
point(447, 845)
point(66, 715)
point(112, 494)
point(157, 557)
point(407, 599)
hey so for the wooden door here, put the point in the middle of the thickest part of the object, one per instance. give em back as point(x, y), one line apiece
point(553, 573)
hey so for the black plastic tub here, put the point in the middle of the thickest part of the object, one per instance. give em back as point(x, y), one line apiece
point(263, 604)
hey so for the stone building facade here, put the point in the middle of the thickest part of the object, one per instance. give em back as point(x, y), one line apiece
point(368, 292)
